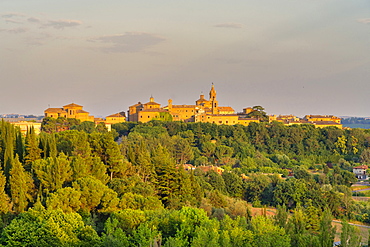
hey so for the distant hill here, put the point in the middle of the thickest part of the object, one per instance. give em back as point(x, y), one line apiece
point(356, 122)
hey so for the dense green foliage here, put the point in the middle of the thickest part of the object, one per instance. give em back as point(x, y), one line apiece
point(89, 187)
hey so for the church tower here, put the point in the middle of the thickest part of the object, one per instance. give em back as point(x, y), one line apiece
point(213, 100)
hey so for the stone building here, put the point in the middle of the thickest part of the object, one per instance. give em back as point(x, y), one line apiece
point(69, 111)
point(207, 111)
point(75, 111)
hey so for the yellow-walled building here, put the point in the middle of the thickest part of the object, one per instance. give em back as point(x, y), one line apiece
point(325, 118)
point(207, 111)
point(26, 126)
point(323, 124)
point(116, 118)
point(69, 111)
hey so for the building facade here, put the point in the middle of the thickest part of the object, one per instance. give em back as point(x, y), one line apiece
point(361, 171)
point(76, 111)
point(206, 111)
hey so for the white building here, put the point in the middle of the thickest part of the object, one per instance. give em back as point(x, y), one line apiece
point(360, 171)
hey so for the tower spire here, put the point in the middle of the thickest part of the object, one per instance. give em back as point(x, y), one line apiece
point(212, 98)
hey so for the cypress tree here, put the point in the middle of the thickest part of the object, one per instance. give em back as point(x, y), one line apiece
point(33, 152)
point(9, 149)
point(19, 144)
point(4, 198)
point(21, 186)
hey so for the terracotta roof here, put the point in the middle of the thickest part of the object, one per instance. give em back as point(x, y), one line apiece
point(225, 108)
point(154, 110)
point(116, 115)
point(139, 103)
point(72, 105)
point(321, 116)
point(250, 119)
point(151, 103)
point(298, 122)
point(223, 115)
point(55, 110)
point(361, 167)
point(325, 123)
point(183, 106)
point(81, 111)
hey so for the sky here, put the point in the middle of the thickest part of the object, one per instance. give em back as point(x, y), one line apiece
point(291, 57)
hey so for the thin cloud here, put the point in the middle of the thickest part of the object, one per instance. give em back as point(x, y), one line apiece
point(33, 20)
point(229, 25)
point(364, 21)
point(15, 30)
point(12, 14)
point(128, 42)
point(9, 20)
point(38, 39)
point(61, 24)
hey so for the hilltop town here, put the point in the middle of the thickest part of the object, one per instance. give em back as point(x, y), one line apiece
point(204, 110)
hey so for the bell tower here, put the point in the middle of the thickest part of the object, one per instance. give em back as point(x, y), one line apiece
point(213, 100)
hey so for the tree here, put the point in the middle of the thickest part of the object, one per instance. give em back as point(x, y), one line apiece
point(327, 231)
point(33, 152)
point(113, 159)
point(281, 216)
point(166, 174)
point(19, 145)
point(365, 156)
point(40, 227)
point(66, 199)
point(182, 150)
point(233, 184)
point(85, 126)
point(259, 113)
point(4, 198)
point(113, 235)
point(9, 149)
point(267, 234)
point(291, 192)
point(95, 196)
point(349, 236)
point(207, 234)
point(21, 186)
point(163, 116)
point(255, 186)
point(53, 172)
point(341, 144)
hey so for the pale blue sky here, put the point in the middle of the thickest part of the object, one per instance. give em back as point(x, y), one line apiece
point(291, 57)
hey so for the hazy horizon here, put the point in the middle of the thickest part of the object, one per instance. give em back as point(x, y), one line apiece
point(306, 57)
